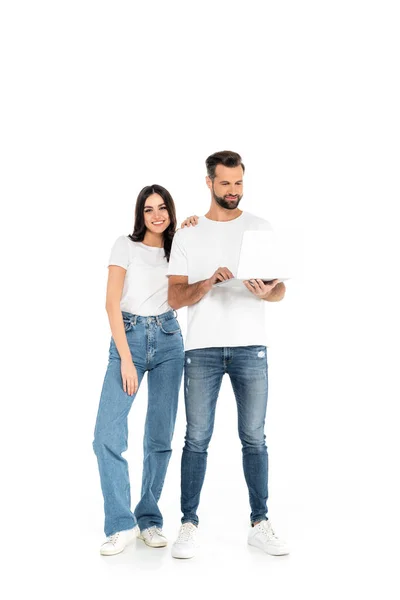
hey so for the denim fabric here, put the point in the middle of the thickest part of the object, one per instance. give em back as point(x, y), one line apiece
point(156, 346)
point(248, 372)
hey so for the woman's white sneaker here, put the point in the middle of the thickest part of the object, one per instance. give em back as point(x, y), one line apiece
point(153, 537)
point(263, 536)
point(117, 542)
point(186, 542)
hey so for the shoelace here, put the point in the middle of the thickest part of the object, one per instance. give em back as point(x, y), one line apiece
point(112, 539)
point(153, 530)
point(267, 530)
point(186, 532)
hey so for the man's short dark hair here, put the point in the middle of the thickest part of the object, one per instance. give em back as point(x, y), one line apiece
point(226, 158)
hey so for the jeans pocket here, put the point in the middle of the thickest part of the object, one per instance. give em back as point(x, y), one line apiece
point(170, 327)
point(128, 325)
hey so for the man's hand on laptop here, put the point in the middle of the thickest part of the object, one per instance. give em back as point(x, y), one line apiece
point(261, 288)
point(221, 274)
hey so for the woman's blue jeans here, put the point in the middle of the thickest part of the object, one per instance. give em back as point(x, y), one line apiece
point(156, 346)
point(248, 372)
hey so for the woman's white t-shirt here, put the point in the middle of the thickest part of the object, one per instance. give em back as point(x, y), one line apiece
point(145, 291)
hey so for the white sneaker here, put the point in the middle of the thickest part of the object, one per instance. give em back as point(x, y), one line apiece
point(186, 542)
point(263, 536)
point(118, 541)
point(154, 537)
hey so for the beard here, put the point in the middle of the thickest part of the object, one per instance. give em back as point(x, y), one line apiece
point(228, 204)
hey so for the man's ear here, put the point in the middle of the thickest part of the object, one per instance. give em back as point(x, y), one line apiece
point(209, 182)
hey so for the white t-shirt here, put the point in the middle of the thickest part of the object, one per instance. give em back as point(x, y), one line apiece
point(145, 290)
point(225, 316)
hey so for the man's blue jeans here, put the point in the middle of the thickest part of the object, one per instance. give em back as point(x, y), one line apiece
point(248, 372)
point(156, 346)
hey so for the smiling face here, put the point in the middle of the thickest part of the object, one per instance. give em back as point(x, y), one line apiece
point(155, 212)
point(227, 186)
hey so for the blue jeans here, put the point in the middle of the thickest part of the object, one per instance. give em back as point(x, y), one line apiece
point(248, 372)
point(156, 346)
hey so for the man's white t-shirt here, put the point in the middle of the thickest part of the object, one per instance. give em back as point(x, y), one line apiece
point(224, 317)
point(145, 291)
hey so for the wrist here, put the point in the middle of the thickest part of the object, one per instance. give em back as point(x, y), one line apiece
point(206, 285)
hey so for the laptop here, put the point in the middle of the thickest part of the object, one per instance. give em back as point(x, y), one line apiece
point(264, 255)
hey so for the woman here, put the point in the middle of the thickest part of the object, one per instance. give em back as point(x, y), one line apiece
point(145, 337)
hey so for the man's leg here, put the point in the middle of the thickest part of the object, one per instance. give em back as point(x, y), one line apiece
point(248, 372)
point(204, 369)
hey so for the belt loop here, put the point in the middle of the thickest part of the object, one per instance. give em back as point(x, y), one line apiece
point(134, 319)
point(158, 321)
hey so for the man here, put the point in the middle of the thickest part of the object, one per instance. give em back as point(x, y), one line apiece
point(225, 335)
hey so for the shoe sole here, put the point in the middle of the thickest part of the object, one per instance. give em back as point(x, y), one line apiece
point(272, 551)
point(180, 556)
point(107, 553)
point(176, 554)
point(160, 545)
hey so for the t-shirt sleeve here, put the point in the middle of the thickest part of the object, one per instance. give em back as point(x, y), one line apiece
point(178, 260)
point(119, 255)
point(265, 225)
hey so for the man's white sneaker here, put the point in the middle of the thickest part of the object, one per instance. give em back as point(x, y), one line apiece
point(186, 542)
point(263, 536)
point(154, 537)
point(117, 542)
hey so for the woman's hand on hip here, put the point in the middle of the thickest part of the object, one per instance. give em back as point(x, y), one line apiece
point(129, 377)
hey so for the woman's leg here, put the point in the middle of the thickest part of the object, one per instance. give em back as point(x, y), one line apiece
point(110, 441)
point(164, 380)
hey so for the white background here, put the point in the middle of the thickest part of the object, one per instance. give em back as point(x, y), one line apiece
point(101, 98)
